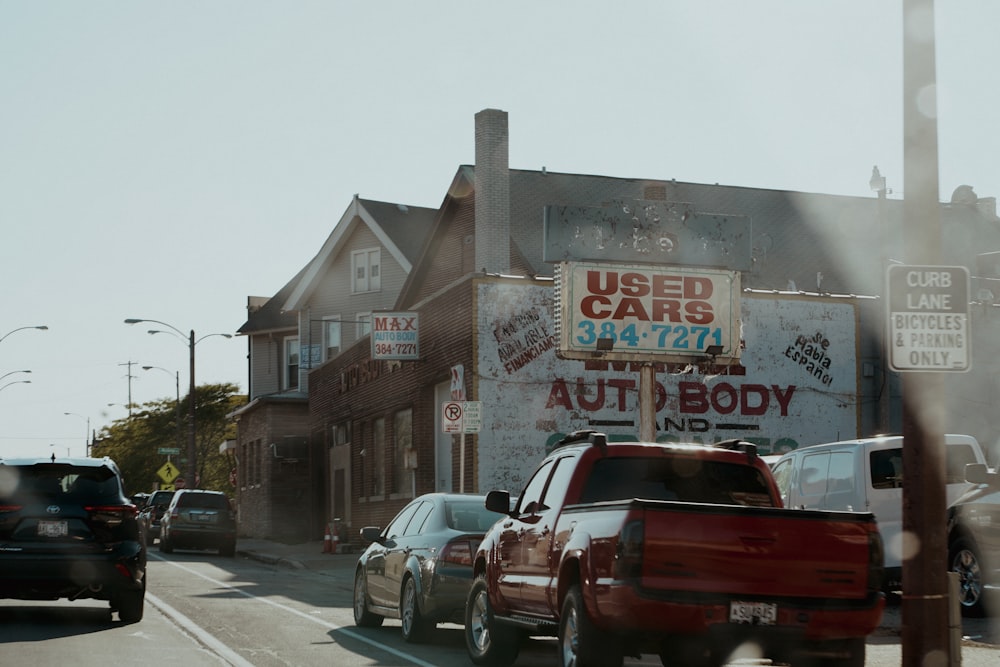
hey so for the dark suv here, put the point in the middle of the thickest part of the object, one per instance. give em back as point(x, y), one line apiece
point(152, 513)
point(198, 519)
point(67, 530)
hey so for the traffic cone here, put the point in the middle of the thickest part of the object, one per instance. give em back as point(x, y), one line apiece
point(327, 543)
point(335, 538)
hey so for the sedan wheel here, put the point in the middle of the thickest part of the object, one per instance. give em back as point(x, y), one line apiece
point(415, 628)
point(362, 617)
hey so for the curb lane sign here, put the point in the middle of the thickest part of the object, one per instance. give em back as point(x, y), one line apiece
point(928, 309)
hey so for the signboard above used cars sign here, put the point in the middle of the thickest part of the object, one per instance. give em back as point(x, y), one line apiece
point(928, 318)
point(640, 312)
point(647, 231)
point(395, 336)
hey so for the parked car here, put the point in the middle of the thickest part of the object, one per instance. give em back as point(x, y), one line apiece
point(151, 514)
point(419, 568)
point(199, 519)
point(139, 500)
point(974, 540)
point(866, 475)
point(67, 530)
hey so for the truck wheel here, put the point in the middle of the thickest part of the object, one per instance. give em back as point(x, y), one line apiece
point(415, 628)
point(362, 617)
point(963, 556)
point(581, 644)
point(487, 642)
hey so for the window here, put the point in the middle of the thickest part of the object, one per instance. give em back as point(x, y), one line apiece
point(364, 321)
point(402, 428)
point(398, 526)
point(531, 499)
point(341, 434)
point(378, 458)
point(365, 265)
point(886, 468)
point(331, 337)
point(291, 363)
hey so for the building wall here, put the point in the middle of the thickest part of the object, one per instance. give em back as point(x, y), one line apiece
point(272, 493)
point(353, 388)
point(797, 383)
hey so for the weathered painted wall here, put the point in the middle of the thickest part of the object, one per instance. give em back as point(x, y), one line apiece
point(797, 383)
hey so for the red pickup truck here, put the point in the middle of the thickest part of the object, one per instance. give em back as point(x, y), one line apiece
point(685, 551)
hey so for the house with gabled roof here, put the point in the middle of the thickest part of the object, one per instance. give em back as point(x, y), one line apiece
point(483, 281)
point(282, 482)
point(485, 292)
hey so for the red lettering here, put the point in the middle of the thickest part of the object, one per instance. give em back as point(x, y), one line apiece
point(724, 398)
point(634, 284)
point(784, 398)
point(697, 288)
point(594, 285)
point(559, 395)
point(699, 312)
point(631, 307)
point(666, 310)
point(623, 387)
point(763, 399)
point(666, 286)
point(589, 304)
point(692, 397)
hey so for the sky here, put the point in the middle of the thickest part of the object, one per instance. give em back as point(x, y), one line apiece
point(167, 160)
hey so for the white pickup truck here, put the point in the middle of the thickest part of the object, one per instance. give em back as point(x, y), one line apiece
point(866, 475)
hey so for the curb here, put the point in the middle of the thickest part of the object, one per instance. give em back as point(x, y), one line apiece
point(270, 559)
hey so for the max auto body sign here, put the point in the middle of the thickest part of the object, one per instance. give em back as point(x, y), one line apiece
point(656, 312)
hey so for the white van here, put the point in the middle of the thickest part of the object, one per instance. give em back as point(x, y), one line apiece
point(866, 475)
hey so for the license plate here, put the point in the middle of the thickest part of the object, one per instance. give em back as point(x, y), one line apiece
point(53, 529)
point(753, 613)
point(204, 518)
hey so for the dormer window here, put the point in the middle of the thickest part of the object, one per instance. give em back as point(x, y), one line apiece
point(366, 269)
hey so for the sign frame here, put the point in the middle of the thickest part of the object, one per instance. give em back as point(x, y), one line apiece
point(395, 336)
point(647, 312)
point(927, 305)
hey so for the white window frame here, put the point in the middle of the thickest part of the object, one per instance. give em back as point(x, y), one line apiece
point(328, 323)
point(366, 270)
point(364, 324)
point(286, 363)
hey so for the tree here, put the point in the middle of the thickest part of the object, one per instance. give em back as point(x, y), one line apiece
point(134, 442)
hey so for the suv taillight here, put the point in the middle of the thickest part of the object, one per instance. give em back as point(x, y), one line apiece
point(112, 515)
point(10, 508)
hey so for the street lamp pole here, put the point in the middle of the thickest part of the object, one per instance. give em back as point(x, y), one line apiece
point(15, 382)
point(192, 467)
point(40, 326)
point(11, 373)
point(177, 409)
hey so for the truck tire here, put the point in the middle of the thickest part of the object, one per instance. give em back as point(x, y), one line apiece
point(963, 558)
point(362, 617)
point(581, 644)
point(415, 629)
point(488, 642)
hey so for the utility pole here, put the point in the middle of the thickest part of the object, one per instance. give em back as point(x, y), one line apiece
point(925, 637)
point(129, 364)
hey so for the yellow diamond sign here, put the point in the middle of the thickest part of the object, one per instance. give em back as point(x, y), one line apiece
point(168, 472)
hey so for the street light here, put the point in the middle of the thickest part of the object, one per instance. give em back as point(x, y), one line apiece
point(40, 326)
point(177, 382)
point(11, 373)
point(192, 443)
point(15, 382)
point(86, 438)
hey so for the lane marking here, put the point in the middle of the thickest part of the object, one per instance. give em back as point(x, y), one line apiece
point(209, 640)
point(318, 621)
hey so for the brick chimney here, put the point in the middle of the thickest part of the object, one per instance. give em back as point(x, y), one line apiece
point(492, 192)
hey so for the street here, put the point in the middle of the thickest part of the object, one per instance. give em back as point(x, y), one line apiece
point(203, 609)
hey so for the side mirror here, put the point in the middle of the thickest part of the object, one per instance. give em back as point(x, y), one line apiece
point(371, 534)
point(978, 473)
point(498, 501)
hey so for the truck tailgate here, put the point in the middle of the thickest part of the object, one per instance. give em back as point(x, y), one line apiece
point(811, 553)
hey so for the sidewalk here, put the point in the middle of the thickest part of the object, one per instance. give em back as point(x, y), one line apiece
point(304, 556)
